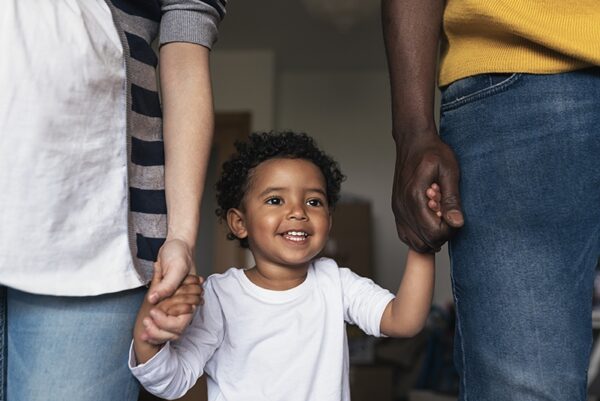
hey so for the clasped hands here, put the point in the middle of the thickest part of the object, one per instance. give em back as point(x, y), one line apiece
point(173, 295)
point(421, 161)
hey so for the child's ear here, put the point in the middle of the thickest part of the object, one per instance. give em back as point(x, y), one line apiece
point(237, 223)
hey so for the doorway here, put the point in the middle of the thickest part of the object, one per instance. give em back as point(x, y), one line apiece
point(214, 252)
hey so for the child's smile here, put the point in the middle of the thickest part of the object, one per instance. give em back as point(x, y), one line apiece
point(284, 215)
point(296, 236)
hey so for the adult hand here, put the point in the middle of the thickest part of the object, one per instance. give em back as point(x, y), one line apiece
point(174, 263)
point(423, 159)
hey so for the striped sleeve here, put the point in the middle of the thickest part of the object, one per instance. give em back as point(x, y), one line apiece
point(193, 21)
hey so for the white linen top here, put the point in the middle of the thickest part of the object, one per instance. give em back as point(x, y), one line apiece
point(63, 161)
point(256, 344)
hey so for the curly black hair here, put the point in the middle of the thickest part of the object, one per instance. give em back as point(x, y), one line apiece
point(260, 147)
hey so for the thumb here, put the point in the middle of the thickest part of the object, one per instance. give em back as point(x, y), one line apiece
point(164, 285)
point(450, 204)
point(157, 275)
point(153, 296)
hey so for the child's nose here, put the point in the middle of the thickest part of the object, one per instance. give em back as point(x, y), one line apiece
point(297, 212)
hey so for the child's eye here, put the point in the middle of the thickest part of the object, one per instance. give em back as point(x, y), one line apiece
point(314, 202)
point(274, 201)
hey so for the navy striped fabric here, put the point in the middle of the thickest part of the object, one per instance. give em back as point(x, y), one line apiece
point(141, 50)
point(147, 248)
point(148, 9)
point(151, 201)
point(147, 153)
point(144, 101)
point(138, 23)
point(217, 5)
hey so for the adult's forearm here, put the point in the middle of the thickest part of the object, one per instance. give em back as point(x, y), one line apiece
point(411, 32)
point(188, 129)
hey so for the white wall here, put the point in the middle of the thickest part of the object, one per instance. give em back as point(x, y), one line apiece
point(349, 115)
point(244, 80)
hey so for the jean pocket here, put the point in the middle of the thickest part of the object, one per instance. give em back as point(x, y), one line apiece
point(476, 87)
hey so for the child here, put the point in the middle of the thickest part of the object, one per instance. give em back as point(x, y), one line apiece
point(276, 331)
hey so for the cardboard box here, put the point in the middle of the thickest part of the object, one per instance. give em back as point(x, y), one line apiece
point(351, 240)
point(372, 383)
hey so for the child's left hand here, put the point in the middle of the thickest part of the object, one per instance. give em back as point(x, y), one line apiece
point(186, 297)
point(158, 327)
point(435, 197)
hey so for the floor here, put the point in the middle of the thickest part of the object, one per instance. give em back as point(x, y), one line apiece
point(417, 395)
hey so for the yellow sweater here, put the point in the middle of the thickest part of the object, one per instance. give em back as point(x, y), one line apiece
point(532, 36)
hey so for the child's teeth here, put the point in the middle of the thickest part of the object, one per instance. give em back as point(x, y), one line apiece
point(297, 233)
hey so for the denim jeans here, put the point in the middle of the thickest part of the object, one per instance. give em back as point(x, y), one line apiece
point(67, 348)
point(523, 265)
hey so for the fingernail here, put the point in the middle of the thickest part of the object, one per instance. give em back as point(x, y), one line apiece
point(153, 297)
point(455, 216)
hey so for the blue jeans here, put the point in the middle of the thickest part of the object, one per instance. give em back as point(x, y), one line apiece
point(67, 348)
point(523, 264)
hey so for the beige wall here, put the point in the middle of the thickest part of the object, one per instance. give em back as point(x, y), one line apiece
point(245, 81)
point(348, 113)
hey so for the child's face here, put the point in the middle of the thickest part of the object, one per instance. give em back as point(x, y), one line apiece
point(285, 214)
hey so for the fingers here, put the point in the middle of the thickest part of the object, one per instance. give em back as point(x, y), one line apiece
point(175, 261)
point(428, 227)
point(190, 299)
point(435, 196)
point(194, 289)
point(152, 296)
point(157, 275)
point(173, 324)
point(410, 237)
point(190, 295)
point(168, 284)
point(450, 203)
point(156, 335)
point(189, 288)
point(425, 196)
point(192, 279)
point(180, 309)
point(163, 289)
point(433, 192)
point(185, 299)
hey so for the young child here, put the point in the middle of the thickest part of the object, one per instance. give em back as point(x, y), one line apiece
point(276, 331)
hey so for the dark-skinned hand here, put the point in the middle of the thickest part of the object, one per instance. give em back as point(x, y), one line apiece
point(421, 160)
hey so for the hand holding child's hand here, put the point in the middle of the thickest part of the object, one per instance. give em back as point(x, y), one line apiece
point(169, 318)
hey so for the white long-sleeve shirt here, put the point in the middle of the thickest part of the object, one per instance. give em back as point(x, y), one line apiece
point(256, 344)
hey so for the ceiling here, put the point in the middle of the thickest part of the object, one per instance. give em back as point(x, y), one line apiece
point(299, 40)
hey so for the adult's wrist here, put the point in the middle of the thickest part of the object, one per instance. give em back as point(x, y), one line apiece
point(188, 239)
point(409, 135)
